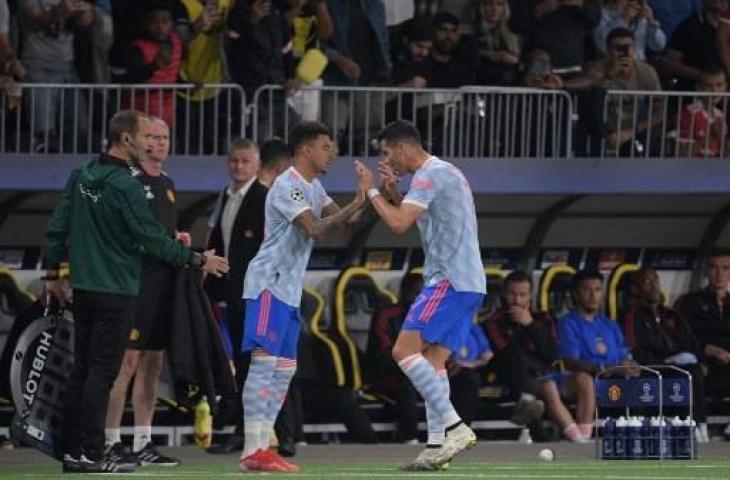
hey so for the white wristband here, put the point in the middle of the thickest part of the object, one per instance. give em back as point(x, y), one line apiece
point(373, 192)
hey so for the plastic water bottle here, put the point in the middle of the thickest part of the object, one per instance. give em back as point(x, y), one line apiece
point(683, 441)
point(619, 444)
point(655, 425)
point(203, 427)
point(675, 430)
point(692, 439)
point(665, 441)
point(609, 436)
point(634, 447)
point(646, 438)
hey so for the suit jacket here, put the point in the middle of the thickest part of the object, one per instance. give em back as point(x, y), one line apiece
point(246, 237)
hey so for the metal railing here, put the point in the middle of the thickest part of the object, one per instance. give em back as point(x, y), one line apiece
point(73, 118)
point(480, 122)
point(466, 122)
point(665, 124)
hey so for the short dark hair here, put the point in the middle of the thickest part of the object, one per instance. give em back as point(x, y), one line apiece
point(272, 151)
point(150, 6)
point(711, 70)
point(445, 17)
point(418, 29)
point(306, 132)
point(124, 121)
point(619, 32)
point(517, 276)
point(400, 131)
point(583, 276)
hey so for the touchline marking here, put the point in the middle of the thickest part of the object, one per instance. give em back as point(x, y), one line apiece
point(330, 474)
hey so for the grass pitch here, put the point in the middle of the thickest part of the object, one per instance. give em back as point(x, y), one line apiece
point(349, 462)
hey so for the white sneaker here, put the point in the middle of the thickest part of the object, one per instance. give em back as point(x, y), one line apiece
point(580, 439)
point(456, 441)
point(525, 436)
point(424, 462)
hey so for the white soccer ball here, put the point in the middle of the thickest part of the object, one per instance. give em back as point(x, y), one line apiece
point(546, 455)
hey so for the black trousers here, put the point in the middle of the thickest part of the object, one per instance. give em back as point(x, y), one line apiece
point(101, 326)
point(515, 369)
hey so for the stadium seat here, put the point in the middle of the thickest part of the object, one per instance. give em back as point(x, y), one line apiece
point(554, 295)
point(619, 288)
point(319, 356)
point(493, 299)
point(357, 296)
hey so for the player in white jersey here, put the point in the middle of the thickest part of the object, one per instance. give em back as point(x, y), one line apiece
point(298, 211)
point(440, 201)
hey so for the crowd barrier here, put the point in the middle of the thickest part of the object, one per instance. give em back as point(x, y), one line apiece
point(468, 122)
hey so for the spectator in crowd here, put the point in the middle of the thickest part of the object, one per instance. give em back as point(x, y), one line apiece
point(258, 52)
point(498, 47)
point(702, 124)
point(47, 40)
point(558, 26)
point(201, 25)
point(312, 27)
point(671, 14)
point(708, 312)
point(409, 58)
point(154, 57)
point(359, 55)
point(660, 335)
point(589, 342)
point(236, 230)
point(447, 68)
point(387, 377)
point(538, 72)
point(275, 158)
point(685, 60)
point(524, 346)
point(464, 370)
point(635, 15)
point(628, 121)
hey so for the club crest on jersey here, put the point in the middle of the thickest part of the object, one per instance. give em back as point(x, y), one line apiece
point(148, 193)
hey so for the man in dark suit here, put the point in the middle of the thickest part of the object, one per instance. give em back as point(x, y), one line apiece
point(236, 232)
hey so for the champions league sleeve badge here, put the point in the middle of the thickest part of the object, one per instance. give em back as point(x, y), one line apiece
point(297, 195)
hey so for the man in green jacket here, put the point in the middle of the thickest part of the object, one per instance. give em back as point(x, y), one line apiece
point(105, 222)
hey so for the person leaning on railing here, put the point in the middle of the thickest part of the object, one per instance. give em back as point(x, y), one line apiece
point(628, 120)
point(47, 30)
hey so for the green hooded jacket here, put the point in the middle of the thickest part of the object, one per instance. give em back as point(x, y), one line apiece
point(104, 219)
